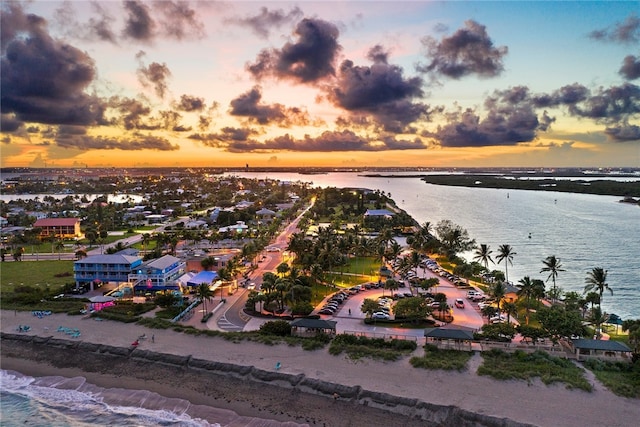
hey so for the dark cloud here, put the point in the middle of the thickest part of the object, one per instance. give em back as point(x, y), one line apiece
point(134, 143)
point(510, 119)
point(203, 123)
point(96, 28)
point(170, 120)
point(133, 113)
point(624, 132)
point(154, 75)
point(139, 25)
point(627, 31)
point(9, 123)
point(630, 69)
point(262, 23)
point(566, 95)
point(226, 136)
point(43, 80)
point(179, 21)
point(380, 90)
point(248, 105)
point(190, 103)
point(307, 60)
point(468, 51)
point(610, 105)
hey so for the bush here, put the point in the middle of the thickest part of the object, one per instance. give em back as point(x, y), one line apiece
point(279, 328)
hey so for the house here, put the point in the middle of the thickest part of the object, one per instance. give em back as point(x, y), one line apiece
point(265, 214)
point(61, 228)
point(510, 292)
point(378, 213)
point(3, 222)
point(96, 269)
point(240, 227)
point(158, 274)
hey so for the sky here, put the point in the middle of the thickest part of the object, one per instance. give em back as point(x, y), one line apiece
point(320, 84)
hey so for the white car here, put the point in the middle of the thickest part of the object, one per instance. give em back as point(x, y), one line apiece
point(498, 319)
point(380, 315)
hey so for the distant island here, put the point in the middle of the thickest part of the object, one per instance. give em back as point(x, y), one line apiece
point(629, 190)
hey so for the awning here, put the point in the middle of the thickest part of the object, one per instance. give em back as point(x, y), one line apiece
point(101, 299)
point(203, 277)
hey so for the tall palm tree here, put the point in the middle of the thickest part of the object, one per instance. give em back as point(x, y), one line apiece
point(510, 309)
point(498, 291)
point(527, 290)
point(483, 255)
point(506, 253)
point(596, 280)
point(204, 293)
point(553, 266)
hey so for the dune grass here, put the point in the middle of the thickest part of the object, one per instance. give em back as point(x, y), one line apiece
point(448, 360)
point(527, 366)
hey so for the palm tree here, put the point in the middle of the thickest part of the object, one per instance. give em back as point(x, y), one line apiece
point(510, 309)
point(553, 266)
point(483, 255)
point(204, 293)
point(528, 291)
point(506, 253)
point(597, 318)
point(498, 292)
point(596, 280)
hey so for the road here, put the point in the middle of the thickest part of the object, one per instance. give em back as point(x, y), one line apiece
point(234, 318)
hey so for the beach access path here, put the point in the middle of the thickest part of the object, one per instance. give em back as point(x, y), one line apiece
point(533, 403)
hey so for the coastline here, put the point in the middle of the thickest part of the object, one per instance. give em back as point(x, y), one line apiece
point(104, 350)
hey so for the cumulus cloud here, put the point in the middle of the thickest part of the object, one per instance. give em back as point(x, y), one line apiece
point(179, 20)
point(630, 69)
point(306, 60)
point(623, 132)
point(154, 75)
point(190, 103)
point(510, 119)
point(226, 136)
point(242, 140)
point(97, 28)
point(380, 90)
point(139, 25)
point(248, 105)
point(262, 23)
point(626, 32)
point(468, 51)
point(44, 80)
point(131, 143)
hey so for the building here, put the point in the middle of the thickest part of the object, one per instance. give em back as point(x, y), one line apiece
point(61, 228)
point(96, 269)
point(158, 274)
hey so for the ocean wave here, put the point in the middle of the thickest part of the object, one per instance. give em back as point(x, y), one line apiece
point(61, 401)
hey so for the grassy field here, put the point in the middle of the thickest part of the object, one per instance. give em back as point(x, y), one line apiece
point(41, 274)
point(621, 378)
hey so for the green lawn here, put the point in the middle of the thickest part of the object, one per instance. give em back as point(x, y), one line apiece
point(621, 378)
point(35, 273)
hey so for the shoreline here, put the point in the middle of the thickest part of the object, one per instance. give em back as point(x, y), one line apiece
point(249, 393)
point(106, 349)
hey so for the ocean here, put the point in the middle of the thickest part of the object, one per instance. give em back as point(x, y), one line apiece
point(73, 402)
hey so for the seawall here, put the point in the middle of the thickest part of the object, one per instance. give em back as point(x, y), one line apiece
point(133, 361)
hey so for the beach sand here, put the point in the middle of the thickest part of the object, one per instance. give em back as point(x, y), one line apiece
point(534, 403)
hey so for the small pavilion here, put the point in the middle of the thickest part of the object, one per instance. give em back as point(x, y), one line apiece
point(449, 338)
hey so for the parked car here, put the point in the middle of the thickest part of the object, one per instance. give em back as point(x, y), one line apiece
point(380, 315)
point(459, 303)
point(498, 319)
point(326, 311)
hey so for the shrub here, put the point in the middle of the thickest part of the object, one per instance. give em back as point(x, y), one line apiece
point(279, 328)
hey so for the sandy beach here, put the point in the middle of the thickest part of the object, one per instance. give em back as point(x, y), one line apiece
point(535, 403)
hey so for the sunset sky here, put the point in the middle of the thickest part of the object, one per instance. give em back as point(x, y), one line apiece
point(308, 84)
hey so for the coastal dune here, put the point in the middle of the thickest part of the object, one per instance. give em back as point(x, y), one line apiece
point(242, 377)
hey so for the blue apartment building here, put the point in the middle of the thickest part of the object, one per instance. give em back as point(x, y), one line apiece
point(96, 269)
